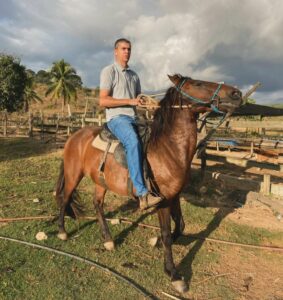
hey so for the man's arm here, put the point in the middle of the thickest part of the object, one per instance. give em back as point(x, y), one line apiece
point(105, 100)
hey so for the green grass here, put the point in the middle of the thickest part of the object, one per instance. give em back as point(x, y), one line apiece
point(28, 170)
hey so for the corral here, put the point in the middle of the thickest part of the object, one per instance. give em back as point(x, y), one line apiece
point(253, 146)
point(222, 209)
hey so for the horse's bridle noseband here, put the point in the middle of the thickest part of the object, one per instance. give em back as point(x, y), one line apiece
point(199, 101)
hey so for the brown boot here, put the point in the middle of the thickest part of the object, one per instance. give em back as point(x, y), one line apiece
point(148, 201)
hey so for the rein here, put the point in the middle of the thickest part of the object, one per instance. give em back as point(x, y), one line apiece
point(152, 103)
point(179, 86)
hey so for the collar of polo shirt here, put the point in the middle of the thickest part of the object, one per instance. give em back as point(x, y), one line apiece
point(120, 68)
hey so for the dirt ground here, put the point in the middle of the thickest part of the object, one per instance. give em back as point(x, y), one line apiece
point(251, 274)
point(257, 214)
point(250, 208)
point(255, 277)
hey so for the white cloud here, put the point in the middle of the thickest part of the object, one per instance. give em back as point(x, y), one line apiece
point(179, 40)
point(236, 41)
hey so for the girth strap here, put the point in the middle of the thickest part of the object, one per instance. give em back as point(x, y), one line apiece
point(101, 173)
point(102, 165)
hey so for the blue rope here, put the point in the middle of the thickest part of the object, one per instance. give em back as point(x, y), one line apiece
point(199, 101)
point(215, 109)
point(179, 89)
point(216, 92)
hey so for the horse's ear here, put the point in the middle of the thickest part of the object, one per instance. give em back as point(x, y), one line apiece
point(175, 78)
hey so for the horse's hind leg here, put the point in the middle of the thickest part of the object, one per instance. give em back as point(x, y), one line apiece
point(176, 213)
point(64, 198)
point(98, 200)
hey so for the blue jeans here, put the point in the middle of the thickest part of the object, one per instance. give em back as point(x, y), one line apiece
point(124, 128)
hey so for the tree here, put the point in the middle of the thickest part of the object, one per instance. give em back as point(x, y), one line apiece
point(251, 101)
point(29, 93)
point(12, 83)
point(96, 92)
point(87, 91)
point(42, 77)
point(64, 82)
point(30, 73)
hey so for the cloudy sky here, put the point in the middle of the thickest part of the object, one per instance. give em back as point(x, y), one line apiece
point(239, 42)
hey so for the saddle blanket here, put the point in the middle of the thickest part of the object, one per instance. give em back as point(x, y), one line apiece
point(101, 145)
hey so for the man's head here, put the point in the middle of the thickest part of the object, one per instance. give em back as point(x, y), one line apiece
point(122, 51)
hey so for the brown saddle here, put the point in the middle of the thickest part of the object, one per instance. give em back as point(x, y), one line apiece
point(109, 143)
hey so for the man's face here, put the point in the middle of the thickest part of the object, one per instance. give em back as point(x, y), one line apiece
point(123, 52)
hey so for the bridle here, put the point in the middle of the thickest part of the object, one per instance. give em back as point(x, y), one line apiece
point(215, 108)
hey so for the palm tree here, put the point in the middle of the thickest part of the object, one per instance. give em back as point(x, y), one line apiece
point(64, 82)
point(30, 94)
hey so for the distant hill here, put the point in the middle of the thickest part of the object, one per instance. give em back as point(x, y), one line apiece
point(273, 103)
point(50, 106)
point(277, 105)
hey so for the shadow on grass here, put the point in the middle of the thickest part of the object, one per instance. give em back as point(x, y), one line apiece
point(226, 200)
point(23, 147)
point(131, 205)
point(185, 266)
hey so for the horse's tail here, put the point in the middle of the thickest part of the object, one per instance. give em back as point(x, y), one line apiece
point(74, 208)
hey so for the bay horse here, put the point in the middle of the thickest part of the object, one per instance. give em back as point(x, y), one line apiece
point(170, 151)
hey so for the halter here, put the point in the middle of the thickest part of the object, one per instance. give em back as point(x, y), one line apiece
point(199, 101)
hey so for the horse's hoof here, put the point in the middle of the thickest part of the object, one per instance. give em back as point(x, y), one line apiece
point(109, 245)
point(62, 236)
point(180, 286)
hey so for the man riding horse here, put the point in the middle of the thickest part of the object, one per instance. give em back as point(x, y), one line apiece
point(170, 150)
point(119, 87)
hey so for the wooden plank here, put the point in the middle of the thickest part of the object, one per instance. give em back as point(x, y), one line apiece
point(243, 156)
point(233, 181)
point(243, 163)
point(270, 124)
point(243, 183)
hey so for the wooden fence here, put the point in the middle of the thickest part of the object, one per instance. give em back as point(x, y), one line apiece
point(259, 143)
point(45, 125)
point(268, 126)
point(27, 124)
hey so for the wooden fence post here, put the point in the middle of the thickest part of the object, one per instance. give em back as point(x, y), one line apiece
point(69, 110)
point(266, 184)
point(30, 122)
point(99, 120)
point(280, 162)
point(68, 128)
point(41, 126)
point(18, 123)
point(252, 149)
point(57, 126)
point(83, 121)
point(5, 122)
point(86, 106)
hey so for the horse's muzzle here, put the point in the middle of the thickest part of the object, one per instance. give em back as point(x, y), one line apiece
point(236, 95)
point(231, 101)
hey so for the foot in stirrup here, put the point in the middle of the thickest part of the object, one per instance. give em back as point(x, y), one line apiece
point(149, 200)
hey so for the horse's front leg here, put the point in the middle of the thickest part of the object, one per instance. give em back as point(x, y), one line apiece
point(169, 266)
point(98, 200)
point(176, 213)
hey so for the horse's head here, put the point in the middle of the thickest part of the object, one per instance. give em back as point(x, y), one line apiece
point(217, 96)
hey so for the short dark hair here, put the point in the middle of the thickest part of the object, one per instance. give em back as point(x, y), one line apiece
point(121, 40)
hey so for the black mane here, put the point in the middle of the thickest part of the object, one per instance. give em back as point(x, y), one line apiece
point(165, 114)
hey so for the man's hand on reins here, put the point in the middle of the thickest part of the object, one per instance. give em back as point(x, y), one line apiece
point(137, 102)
